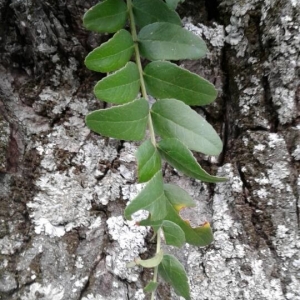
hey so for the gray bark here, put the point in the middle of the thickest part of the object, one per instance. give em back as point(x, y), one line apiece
point(63, 188)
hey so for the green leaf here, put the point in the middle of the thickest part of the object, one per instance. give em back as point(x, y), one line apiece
point(151, 11)
point(174, 119)
point(166, 80)
point(177, 200)
point(149, 162)
point(182, 159)
point(150, 287)
point(151, 198)
point(151, 262)
point(172, 271)
point(165, 41)
point(178, 197)
point(111, 55)
point(120, 87)
point(174, 235)
point(154, 224)
point(172, 4)
point(125, 122)
point(108, 16)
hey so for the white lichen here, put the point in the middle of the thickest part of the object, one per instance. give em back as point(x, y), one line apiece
point(231, 269)
point(92, 297)
point(64, 198)
point(235, 32)
point(10, 244)
point(44, 292)
point(283, 59)
point(8, 282)
point(139, 295)
point(261, 193)
point(296, 153)
point(215, 35)
point(129, 243)
point(275, 191)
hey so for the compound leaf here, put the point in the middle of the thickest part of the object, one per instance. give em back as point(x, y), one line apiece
point(172, 271)
point(166, 80)
point(182, 159)
point(108, 16)
point(111, 55)
point(166, 41)
point(174, 119)
point(173, 233)
point(120, 87)
point(124, 122)
point(151, 11)
point(151, 198)
point(148, 160)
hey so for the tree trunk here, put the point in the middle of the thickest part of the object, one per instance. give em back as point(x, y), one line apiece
point(63, 188)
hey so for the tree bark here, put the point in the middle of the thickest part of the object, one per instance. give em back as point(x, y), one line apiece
point(64, 189)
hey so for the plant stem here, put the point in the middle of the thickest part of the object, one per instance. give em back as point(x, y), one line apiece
point(140, 68)
point(150, 124)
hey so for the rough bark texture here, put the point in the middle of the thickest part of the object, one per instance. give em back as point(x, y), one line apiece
point(63, 189)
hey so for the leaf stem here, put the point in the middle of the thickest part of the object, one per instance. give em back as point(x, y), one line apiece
point(140, 68)
point(158, 241)
point(150, 124)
